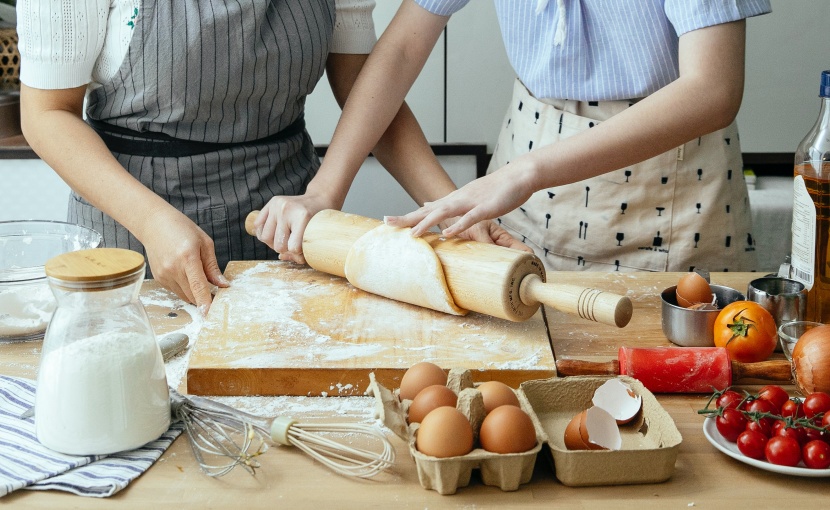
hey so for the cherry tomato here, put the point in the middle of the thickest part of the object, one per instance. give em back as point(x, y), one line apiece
point(816, 455)
point(816, 403)
point(763, 426)
point(825, 422)
point(747, 330)
point(752, 444)
point(792, 408)
point(780, 428)
point(730, 398)
point(760, 405)
point(784, 451)
point(730, 424)
point(813, 434)
point(775, 394)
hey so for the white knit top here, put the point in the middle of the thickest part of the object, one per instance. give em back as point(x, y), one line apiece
point(70, 43)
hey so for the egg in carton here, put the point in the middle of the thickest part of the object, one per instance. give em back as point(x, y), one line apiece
point(445, 475)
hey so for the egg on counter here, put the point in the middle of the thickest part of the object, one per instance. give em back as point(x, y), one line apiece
point(693, 289)
point(507, 429)
point(497, 394)
point(444, 432)
point(429, 398)
point(419, 376)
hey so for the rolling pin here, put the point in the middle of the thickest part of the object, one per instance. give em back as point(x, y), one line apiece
point(679, 369)
point(481, 277)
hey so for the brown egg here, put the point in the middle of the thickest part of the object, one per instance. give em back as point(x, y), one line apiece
point(419, 376)
point(431, 397)
point(507, 429)
point(497, 394)
point(692, 289)
point(444, 432)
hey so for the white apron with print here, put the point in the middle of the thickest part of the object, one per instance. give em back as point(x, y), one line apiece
point(687, 208)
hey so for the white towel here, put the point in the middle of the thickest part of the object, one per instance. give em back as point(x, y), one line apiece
point(25, 463)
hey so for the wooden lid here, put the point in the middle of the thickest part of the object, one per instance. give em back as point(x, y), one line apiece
point(94, 265)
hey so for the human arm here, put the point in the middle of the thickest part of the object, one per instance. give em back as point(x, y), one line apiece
point(401, 148)
point(705, 97)
point(180, 254)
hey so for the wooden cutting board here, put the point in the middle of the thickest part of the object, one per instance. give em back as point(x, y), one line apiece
point(280, 329)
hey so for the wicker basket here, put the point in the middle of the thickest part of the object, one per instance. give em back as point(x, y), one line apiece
point(9, 60)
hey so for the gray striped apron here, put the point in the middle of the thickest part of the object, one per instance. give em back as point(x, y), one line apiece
point(230, 79)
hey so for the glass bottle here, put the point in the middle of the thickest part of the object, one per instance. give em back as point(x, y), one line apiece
point(811, 211)
point(102, 386)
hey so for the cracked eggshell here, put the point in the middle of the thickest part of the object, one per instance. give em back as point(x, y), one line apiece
point(619, 400)
point(692, 289)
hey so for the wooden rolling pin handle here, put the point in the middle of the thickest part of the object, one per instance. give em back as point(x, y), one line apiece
point(591, 304)
point(569, 367)
point(773, 371)
point(249, 222)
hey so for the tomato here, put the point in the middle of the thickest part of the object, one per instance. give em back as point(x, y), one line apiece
point(780, 428)
point(816, 455)
point(816, 403)
point(792, 409)
point(760, 405)
point(747, 330)
point(825, 422)
point(730, 398)
point(813, 434)
point(752, 444)
point(784, 451)
point(730, 424)
point(775, 394)
point(763, 426)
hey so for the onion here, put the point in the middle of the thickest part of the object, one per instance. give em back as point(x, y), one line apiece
point(811, 360)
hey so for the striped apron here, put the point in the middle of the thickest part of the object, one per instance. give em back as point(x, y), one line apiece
point(207, 108)
point(682, 209)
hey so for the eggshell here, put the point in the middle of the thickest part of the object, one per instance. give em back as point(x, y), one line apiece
point(573, 438)
point(692, 289)
point(429, 398)
point(497, 394)
point(507, 429)
point(619, 400)
point(419, 376)
point(599, 430)
point(444, 432)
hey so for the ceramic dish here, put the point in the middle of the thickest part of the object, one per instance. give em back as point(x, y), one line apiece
point(711, 432)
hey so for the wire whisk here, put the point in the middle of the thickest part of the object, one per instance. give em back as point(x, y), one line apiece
point(223, 438)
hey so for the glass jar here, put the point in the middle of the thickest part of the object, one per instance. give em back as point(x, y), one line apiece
point(102, 386)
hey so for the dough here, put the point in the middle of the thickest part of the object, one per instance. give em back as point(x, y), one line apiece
point(389, 262)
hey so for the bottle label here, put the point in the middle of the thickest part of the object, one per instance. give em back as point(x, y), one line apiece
point(804, 234)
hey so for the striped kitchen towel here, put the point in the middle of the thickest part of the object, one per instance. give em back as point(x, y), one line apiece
point(25, 463)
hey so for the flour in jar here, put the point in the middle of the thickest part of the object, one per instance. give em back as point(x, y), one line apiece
point(102, 394)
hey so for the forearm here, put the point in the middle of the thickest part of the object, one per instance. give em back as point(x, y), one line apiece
point(70, 147)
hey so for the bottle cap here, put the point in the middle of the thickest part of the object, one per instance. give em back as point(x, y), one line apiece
point(824, 91)
point(95, 269)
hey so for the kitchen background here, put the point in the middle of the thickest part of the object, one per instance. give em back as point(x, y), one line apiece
point(460, 98)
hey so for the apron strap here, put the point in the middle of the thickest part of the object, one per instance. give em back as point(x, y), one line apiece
point(151, 144)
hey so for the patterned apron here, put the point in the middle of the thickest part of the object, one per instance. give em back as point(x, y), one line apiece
point(223, 75)
point(679, 210)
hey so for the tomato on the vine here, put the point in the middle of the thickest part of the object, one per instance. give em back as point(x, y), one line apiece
point(816, 455)
point(760, 405)
point(825, 421)
point(816, 403)
point(752, 444)
point(780, 428)
point(747, 330)
point(730, 398)
point(763, 426)
point(730, 423)
point(782, 450)
point(775, 394)
point(792, 409)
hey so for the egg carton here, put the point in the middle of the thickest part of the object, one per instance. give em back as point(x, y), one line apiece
point(506, 471)
point(649, 445)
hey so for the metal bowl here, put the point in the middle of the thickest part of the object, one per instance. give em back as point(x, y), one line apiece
point(26, 303)
point(694, 328)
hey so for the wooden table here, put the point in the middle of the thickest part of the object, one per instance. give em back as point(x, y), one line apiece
point(703, 477)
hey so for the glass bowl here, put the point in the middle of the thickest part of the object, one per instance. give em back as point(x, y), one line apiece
point(790, 332)
point(26, 303)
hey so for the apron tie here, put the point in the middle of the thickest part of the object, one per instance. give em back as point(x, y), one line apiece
point(561, 25)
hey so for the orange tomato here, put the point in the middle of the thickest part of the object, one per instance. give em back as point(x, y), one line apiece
point(747, 330)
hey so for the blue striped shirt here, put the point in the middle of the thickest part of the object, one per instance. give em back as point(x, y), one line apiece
point(612, 49)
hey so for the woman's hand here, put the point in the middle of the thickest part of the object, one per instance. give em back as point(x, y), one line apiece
point(281, 223)
point(182, 258)
point(490, 232)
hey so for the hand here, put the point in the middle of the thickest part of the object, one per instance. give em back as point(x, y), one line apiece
point(482, 199)
point(282, 222)
point(182, 258)
point(490, 232)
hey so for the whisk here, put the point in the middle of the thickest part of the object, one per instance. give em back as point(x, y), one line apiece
point(232, 438)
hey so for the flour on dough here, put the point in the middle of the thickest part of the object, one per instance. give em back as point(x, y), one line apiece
point(389, 262)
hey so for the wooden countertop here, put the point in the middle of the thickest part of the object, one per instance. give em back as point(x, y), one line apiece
point(703, 476)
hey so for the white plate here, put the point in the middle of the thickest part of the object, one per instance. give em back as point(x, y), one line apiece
point(710, 430)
